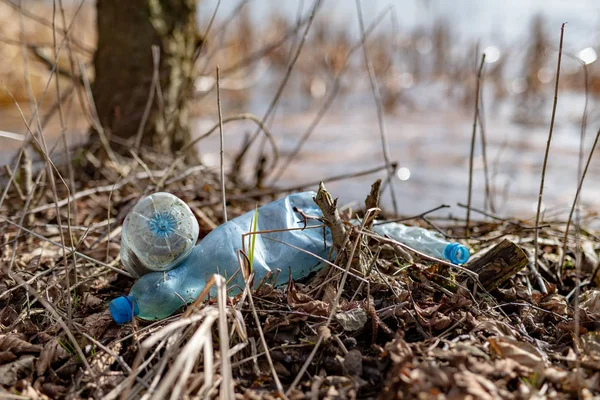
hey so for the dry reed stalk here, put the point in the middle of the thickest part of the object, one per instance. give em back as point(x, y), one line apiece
point(533, 266)
point(222, 145)
point(580, 174)
point(472, 152)
point(49, 165)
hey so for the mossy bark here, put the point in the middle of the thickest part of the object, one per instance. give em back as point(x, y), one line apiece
point(123, 63)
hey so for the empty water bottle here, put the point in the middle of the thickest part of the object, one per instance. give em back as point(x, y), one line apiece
point(157, 295)
point(159, 233)
point(423, 240)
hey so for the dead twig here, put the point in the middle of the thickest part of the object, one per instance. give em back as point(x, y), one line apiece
point(472, 153)
point(222, 145)
point(532, 265)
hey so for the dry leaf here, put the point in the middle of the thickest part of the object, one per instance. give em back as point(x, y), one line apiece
point(304, 302)
point(329, 294)
point(352, 320)
point(590, 301)
point(51, 352)
point(96, 324)
point(476, 385)
point(16, 345)
point(7, 356)
point(91, 301)
point(523, 353)
point(10, 373)
point(53, 391)
point(353, 362)
point(555, 303)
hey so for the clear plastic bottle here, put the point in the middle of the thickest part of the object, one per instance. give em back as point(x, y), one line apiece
point(158, 234)
point(428, 242)
point(156, 295)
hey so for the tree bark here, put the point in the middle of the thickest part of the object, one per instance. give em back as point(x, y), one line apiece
point(499, 264)
point(123, 63)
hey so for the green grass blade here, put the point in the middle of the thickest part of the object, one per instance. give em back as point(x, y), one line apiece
point(253, 228)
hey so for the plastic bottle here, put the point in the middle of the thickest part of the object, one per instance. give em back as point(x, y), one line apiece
point(157, 234)
point(425, 241)
point(156, 295)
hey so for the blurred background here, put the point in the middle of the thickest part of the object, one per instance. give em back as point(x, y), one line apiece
point(425, 56)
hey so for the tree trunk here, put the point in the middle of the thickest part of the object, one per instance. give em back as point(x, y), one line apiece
point(123, 63)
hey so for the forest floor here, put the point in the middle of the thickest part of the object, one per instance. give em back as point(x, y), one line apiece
point(386, 324)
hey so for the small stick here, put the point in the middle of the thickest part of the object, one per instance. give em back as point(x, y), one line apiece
point(419, 216)
point(539, 205)
point(324, 332)
point(573, 206)
point(477, 88)
point(264, 342)
point(222, 145)
point(12, 177)
point(489, 201)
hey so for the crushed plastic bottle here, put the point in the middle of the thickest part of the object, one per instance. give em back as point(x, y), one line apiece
point(156, 295)
point(158, 232)
point(423, 240)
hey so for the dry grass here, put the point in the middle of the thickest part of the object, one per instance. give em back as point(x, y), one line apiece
point(380, 320)
point(404, 325)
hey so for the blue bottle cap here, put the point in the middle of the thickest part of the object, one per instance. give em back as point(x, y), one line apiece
point(456, 253)
point(123, 309)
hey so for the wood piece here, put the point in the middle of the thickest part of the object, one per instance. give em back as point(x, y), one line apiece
point(331, 216)
point(499, 264)
point(372, 201)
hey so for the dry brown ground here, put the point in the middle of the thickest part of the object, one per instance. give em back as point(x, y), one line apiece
point(406, 327)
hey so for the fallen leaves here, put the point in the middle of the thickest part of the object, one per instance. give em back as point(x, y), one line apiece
point(16, 345)
point(353, 319)
point(303, 302)
point(11, 372)
point(51, 353)
point(521, 352)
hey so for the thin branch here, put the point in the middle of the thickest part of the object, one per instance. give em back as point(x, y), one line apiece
point(471, 155)
point(222, 145)
point(488, 201)
point(423, 214)
point(539, 205)
point(580, 175)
